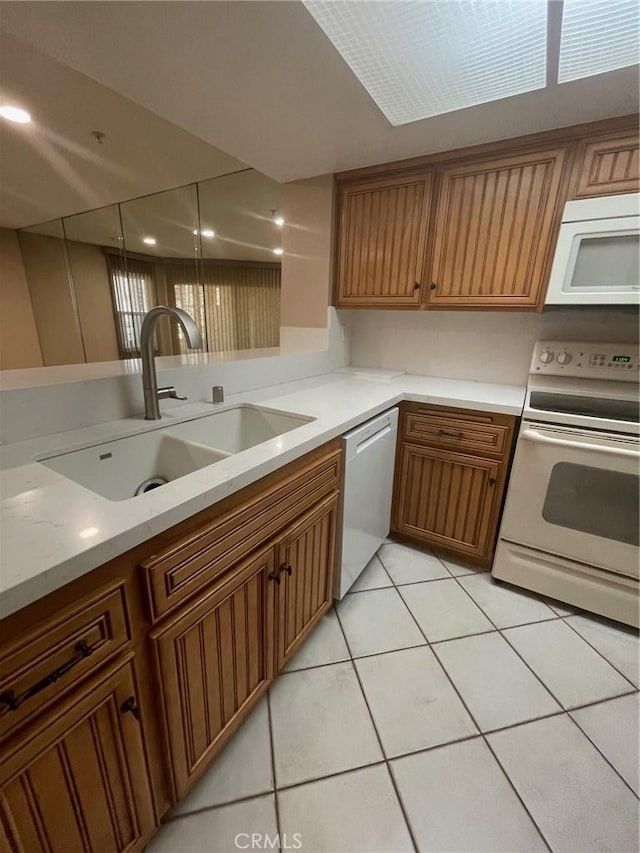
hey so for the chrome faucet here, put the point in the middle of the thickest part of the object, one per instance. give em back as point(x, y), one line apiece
point(152, 394)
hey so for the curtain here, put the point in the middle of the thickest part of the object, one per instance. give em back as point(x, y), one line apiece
point(236, 307)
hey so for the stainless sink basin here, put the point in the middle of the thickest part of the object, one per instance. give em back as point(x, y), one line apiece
point(128, 467)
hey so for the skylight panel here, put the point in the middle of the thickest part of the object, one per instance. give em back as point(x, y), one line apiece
point(597, 36)
point(420, 58)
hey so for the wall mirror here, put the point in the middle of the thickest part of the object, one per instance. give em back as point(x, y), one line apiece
point(53, 299)
point(212, 248)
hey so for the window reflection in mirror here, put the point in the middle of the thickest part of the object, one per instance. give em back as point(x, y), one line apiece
point(162, 253)
point(240, 271)
point(209, 248)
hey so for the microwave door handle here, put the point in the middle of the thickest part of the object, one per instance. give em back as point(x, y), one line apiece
point(538, 438)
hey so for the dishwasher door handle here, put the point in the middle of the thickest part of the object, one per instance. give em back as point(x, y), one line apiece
point(373, 438)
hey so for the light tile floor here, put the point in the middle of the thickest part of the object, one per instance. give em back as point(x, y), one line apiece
point(433, 709)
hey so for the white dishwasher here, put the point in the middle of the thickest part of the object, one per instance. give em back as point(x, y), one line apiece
point(369, 452)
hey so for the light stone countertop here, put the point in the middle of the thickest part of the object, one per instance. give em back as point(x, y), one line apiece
point(45, 517)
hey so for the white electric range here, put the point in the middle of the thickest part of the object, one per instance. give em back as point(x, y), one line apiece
point(570, 528)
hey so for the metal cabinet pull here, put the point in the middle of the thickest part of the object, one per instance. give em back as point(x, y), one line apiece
point(433, 285)
point(274, 576)
point(492, 481)
point(416, 286)
point(8, 697)
point(451, 434)
point(129, 706)
point(286, 568)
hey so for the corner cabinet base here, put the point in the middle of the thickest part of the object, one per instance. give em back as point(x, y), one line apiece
point(451, 470)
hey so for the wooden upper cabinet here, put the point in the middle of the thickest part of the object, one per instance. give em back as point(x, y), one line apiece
point(495, 230)
point(382, 233)
point(78, 780)
point(215, 659)
point(305, 564)
point(608, 166)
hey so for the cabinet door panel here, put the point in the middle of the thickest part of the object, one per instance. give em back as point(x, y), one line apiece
point(382, 240)
point(447, 499)
point(80, 782)
point(215, 659)
point(609, 166)
point(495, 229)
point(308, 549)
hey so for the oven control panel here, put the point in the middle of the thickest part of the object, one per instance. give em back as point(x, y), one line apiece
point(591, 361)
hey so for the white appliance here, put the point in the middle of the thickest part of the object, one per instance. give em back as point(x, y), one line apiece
point(369, 452)
point(570, 527)
point(597, 259)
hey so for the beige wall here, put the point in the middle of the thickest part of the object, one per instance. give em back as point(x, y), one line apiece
point(93, 295)
point(307, 207)
point(19, 345)
point(51, 296)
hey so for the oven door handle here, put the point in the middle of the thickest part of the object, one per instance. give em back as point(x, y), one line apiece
point(538, 438)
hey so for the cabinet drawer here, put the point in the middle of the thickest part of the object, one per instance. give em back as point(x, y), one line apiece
point(194, 561)
point(59, 653)
point(481, 433)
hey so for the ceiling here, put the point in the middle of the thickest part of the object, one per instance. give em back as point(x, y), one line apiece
point(240, 209)
point(54, 167)
point(261, 81)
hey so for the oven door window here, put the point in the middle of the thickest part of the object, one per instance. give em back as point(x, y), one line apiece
point(593, 500)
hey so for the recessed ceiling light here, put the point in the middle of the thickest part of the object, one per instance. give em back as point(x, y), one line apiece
point(277, 251)
point(418, 59)
point(150, 241)
point(207, 232)
point(15, 114)
point(279, 220)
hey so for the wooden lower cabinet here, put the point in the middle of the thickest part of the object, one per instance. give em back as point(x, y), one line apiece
point(305, 560)
point(215, 659)
point(119, 690)
point(447, 499)
point(451, 470)
point(79, 780)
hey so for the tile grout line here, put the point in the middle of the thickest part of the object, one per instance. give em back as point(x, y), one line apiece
point(273, 765)
point(562, 706)
point(548, 689)
point(597, 651)
point(387, 760)
point(506, 639)
point(382, 749)
point(597, 748)
point(215, 806)
point(482, 734)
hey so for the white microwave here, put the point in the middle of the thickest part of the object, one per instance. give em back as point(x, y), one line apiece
point(597, 259)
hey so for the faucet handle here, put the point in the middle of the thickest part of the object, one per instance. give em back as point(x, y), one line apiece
point(169, 392)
